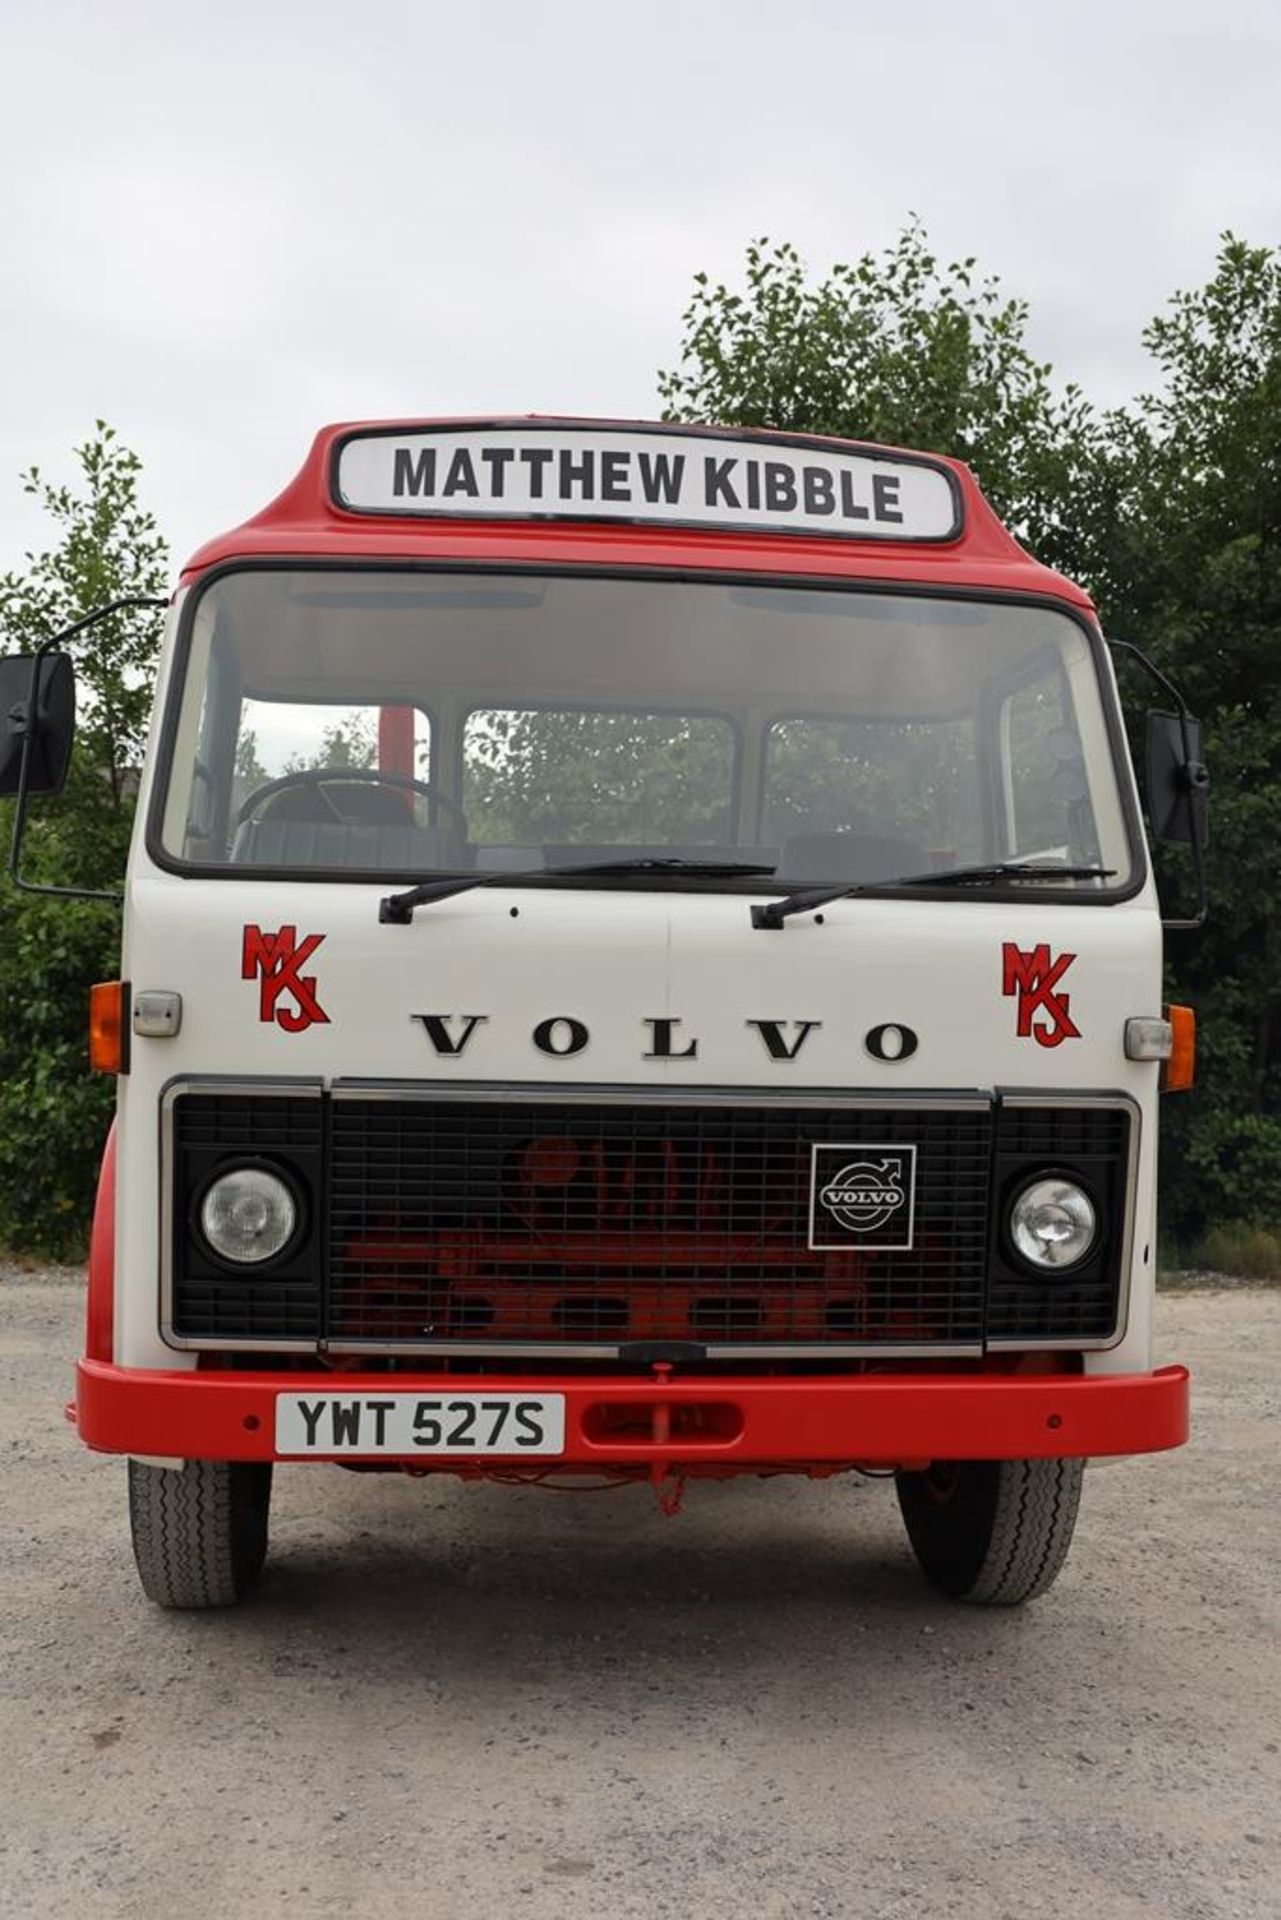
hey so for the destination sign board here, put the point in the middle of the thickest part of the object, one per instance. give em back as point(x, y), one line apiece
point(516, 470)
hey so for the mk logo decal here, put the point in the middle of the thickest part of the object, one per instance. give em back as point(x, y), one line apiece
point(1034, 977)
point(276, 960)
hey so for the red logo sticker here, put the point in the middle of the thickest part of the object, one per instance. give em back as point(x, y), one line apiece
point(1034, 977)
point(277, 960)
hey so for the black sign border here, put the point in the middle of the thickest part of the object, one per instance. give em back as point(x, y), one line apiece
point(761, 435)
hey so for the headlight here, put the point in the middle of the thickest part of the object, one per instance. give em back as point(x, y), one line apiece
point(1053, 1223)
point(248, 1215)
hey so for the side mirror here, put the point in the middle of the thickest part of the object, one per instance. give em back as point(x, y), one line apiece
point(49, 722)
point(1178, 781)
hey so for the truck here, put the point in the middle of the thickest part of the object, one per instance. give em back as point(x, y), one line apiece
point(641, 963)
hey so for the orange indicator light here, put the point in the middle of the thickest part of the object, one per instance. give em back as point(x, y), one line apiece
point(1179, 1071)
point(108, 1027)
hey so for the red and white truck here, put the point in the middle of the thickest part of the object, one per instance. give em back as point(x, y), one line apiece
point(640, 961)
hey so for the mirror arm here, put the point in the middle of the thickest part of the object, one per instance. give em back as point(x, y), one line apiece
point(1196, 778)
point(30, 731)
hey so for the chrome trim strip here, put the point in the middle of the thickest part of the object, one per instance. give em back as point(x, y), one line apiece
point(265, 1343)
point(563, 1350)
point(304, 1086)
point(579, 1094)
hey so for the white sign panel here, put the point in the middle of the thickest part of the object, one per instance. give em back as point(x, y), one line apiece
point(674, 479)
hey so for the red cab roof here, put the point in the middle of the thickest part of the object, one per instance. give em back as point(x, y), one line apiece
point(313, 518)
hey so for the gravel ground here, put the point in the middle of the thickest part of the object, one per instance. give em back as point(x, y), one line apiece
point(475, 1702)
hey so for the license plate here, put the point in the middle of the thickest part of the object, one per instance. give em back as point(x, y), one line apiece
point(462, 1424)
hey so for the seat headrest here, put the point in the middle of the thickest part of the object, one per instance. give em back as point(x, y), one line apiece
point(334, 843)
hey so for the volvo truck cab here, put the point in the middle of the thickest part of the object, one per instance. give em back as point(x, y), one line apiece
point(640, 962)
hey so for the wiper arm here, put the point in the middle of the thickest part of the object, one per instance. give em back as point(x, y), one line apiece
point(398, 908)
point(774, 912)
point(1007, 870)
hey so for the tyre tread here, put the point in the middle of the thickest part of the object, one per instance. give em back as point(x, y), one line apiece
point(1000, 1536)
point(1032, 1530)
point(199, 1531)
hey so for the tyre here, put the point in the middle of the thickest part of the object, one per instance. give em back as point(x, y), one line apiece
point(993, 1532)
point(200, 1531)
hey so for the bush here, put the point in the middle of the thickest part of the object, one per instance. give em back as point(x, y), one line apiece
point(54, 1113)
point(1253, 1252)
point(1168, 510)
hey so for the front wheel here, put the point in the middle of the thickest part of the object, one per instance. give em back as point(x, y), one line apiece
point(993, 1532)
point(199, 1531)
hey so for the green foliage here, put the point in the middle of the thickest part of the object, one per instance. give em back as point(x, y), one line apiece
point(1184, 547)
point(349, 741)
point(53, 1111)
point(900, 349)
point(1169, 510)
point(581, 778)
point(903, 778)
point(1252, 1252)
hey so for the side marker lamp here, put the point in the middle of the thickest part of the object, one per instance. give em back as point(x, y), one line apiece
point(1148, 1038)
point(109, 1026)
point(1179, 1072)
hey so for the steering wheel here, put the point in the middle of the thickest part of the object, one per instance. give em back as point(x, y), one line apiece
point(318, 778)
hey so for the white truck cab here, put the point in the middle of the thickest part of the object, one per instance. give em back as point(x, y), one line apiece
point(640, 960)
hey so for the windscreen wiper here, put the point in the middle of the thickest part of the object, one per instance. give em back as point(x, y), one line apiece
point(774, 912)
point(398, 908)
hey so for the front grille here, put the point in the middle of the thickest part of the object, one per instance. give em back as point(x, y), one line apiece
point(476, 1221)
point(514, 1221)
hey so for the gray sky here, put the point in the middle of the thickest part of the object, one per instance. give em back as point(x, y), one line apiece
point(225, 226)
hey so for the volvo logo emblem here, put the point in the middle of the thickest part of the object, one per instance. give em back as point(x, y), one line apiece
point(862, 1195)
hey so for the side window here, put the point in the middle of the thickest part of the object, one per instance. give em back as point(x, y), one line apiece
point(280, 737)
point(1047, 802)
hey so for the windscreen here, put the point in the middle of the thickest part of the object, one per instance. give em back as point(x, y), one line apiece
point(378, 722)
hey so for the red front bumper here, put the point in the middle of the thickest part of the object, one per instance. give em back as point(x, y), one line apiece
point(724, 1425)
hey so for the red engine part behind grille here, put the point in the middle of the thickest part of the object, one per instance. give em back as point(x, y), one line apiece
point(505, 1221)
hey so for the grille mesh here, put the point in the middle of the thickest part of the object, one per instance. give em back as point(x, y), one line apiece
point(531, 1221)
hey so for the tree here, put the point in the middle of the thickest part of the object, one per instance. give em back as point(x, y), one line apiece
point(348, 741)
point(53, 1112)
point(1181, 542)
point(578, 779)
point(1169, 511)
point(900, 349)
